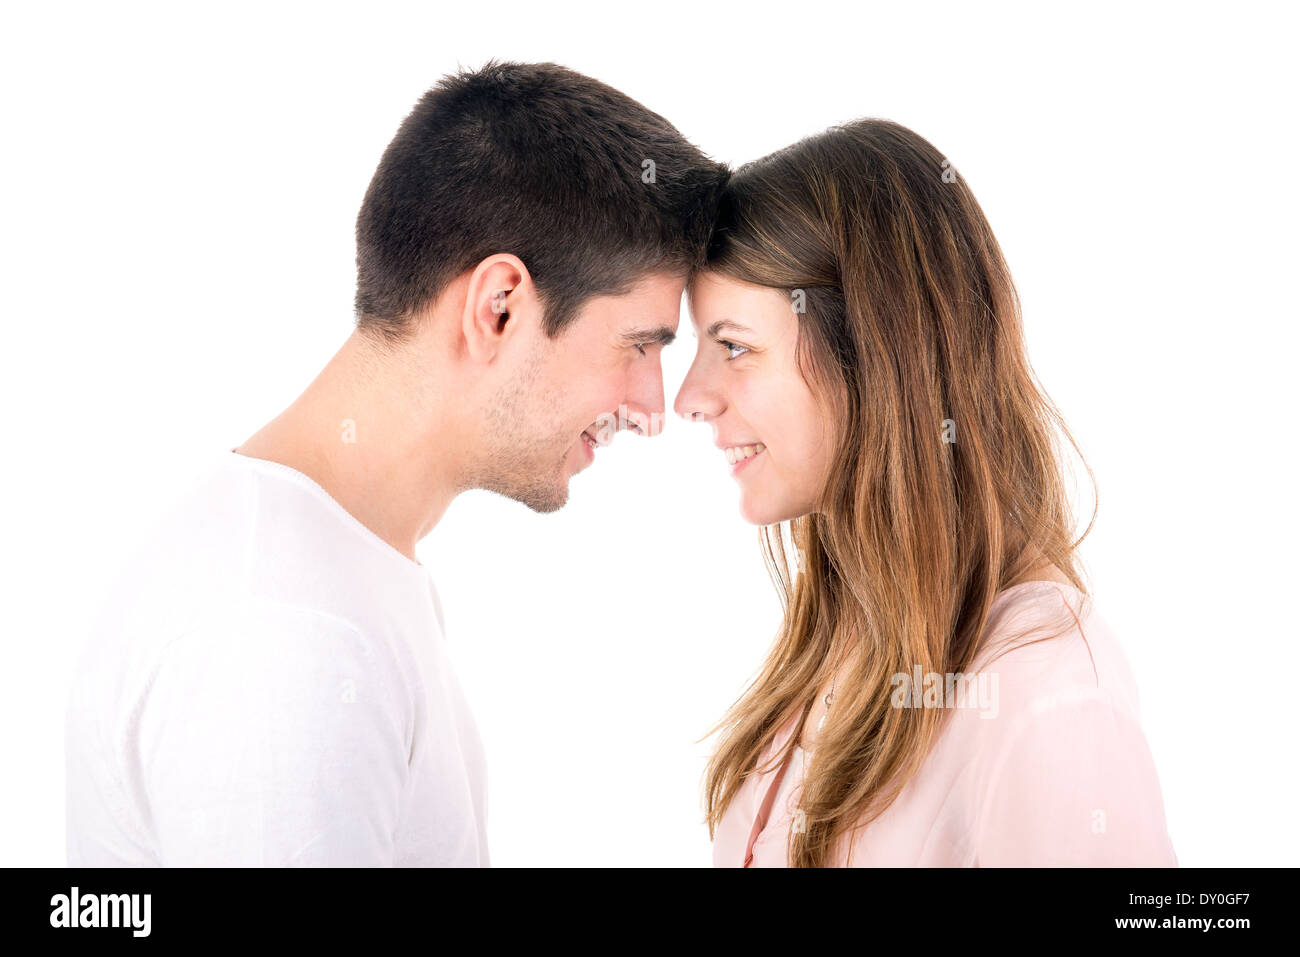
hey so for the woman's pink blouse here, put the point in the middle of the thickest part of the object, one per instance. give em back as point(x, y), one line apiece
point(1045, 764)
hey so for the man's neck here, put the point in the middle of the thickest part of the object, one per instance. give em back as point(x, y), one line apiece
point(370, 430)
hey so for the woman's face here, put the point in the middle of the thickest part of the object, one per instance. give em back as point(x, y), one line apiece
point(745, 381)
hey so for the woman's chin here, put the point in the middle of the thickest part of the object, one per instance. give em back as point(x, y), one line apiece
point(758, 511)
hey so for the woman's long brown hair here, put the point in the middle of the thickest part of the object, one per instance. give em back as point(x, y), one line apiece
point(946, 485)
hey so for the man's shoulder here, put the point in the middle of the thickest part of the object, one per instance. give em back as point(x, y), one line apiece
point(253, 529)
point(188, 558)
point(244, 552)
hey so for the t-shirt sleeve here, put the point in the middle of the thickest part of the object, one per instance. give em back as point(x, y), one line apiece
point(1073, 784)
point(274, 738)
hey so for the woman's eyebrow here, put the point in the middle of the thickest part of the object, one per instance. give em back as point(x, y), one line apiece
point(721, 324)
point(644, 337)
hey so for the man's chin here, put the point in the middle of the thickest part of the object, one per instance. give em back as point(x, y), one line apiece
point(549, 503)
point(538, 497)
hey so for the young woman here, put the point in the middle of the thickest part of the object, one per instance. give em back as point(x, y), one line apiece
point(942, 690)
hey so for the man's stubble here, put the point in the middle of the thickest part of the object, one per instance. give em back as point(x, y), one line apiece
point(524, 452)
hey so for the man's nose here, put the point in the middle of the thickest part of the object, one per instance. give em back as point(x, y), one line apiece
point(643, 410)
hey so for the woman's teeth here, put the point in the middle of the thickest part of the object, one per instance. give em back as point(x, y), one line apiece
point(740, 452)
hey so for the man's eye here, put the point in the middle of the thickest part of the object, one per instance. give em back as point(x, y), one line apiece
point(640, 347)
point(729, 346)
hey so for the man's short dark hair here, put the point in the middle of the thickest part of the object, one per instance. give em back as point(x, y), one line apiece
point(591, 190)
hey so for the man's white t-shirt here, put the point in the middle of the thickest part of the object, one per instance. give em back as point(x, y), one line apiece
point(269, 686)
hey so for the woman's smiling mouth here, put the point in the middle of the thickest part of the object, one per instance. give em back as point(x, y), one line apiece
point(738, 456)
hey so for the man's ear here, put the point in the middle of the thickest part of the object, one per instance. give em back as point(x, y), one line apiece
point(499, 286)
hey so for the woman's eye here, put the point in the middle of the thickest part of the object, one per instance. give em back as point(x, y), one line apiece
point(729, 346)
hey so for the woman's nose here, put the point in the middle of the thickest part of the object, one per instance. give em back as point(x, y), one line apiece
point(698, 399)
point(694, 404)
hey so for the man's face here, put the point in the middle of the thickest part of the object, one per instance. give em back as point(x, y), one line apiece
point(601, 374)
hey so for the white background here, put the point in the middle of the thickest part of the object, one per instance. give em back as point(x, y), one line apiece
point(178, 189)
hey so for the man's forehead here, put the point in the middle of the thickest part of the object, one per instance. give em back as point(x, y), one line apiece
point(652, 308)
point(649, 311)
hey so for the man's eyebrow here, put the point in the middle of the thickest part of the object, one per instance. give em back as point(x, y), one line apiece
point(721, 324)
point(663, 335)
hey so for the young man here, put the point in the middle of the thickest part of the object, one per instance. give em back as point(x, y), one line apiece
point(269, 686)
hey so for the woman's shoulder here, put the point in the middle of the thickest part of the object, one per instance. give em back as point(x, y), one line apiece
point(1064, 775)
point(1045, 643)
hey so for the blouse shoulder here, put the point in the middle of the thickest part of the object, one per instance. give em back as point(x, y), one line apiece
point(1064, 775)
point(1045, 641)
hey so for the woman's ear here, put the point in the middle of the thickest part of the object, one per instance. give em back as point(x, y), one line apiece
point(499, 286)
